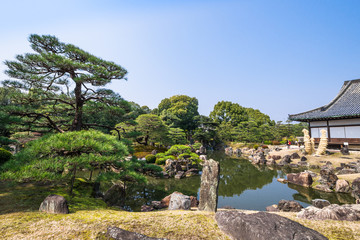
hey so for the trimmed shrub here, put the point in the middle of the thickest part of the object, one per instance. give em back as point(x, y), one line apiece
point(141, 154)
point(256, 146)
point(160, 161)
point(161, 158)
point(150, 158)
point(268, 142)
point(5, 156)
point(264, 146)
point(196, 146)
point(193, 157)
point(176, 150)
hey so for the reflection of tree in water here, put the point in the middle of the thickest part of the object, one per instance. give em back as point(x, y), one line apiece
point(238, 175)
point(306, 194)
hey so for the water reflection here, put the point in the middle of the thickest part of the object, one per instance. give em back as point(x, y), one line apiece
point(242, 185)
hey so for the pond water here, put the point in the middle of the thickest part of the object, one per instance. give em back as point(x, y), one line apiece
point(242, 186)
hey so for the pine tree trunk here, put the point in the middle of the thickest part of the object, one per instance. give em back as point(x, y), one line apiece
point(77, 123)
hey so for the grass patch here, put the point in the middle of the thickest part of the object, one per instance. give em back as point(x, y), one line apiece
point(89, 218)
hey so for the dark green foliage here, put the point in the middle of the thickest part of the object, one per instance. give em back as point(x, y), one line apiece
point(162, 157)
point(228, 112)
point(207, 132)
point(178, 149)
point(52, 156)
point(161, 161)
point(192, 157)
point(5, 156)
point(150, 158)
point(177, 136)
point(180, 111)
point(196, 146)
point(7, 122)
point(145, 129)
point(59, 84)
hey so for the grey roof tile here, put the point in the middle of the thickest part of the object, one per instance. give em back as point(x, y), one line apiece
point(346, 104)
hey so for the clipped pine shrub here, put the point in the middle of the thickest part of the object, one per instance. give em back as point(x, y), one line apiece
point(150, 158)
point(176, 150)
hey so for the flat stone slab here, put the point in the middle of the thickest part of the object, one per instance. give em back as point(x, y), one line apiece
point(263, 226)
point(121, 234)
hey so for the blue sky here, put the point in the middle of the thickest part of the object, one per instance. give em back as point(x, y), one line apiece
point(278, 56)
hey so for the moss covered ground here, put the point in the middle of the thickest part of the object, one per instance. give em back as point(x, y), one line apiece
point(89, 218)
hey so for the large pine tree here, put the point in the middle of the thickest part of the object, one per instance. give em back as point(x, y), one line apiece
point(57, 81)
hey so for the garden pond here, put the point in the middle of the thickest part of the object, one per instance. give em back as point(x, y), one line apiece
point(242, 186)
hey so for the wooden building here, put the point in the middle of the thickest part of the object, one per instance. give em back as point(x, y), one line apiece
point(341, 117)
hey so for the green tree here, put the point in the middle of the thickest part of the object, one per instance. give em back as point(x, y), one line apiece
point(152, 129)
point(180, 111)
point(6, 120)
point(207, 132)
point(228, 112)
point(177, 136)
point(59, 80)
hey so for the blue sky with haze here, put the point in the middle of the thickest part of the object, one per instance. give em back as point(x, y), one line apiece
point(278, 56)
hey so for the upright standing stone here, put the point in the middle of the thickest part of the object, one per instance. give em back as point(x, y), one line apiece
point(209, 186)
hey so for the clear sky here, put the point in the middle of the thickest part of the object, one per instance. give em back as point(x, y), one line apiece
point(279, 56)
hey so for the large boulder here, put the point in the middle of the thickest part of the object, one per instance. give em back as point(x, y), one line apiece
point(54, 204)
point(263, 226)
point(121, 234)
point(289, 206)
point(356, 188)
point(179, 201)
point(342, 186)
point(295, 156)
point(348, 212)
point(115, 195)
point(209, 186)
point(320, 203)
point(303, 178)
point(328, 176)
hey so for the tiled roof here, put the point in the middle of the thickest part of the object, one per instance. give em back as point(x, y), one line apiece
point(345, 105)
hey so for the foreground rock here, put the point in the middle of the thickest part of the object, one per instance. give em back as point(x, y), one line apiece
point(54, 204)
point(263, 226)
point(320, 203)
point(165, 202)
point(328, 177)
point(179, 201)
point(289, 206)
point(121, 234)
point(115, 195)
point(303, 178)
point(342, 186)
point(348, 212)
point(209, 186)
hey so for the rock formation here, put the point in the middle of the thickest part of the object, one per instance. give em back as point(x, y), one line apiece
point(262, 226)
point(347, 212)
point(120, 234)
point(209, 186)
